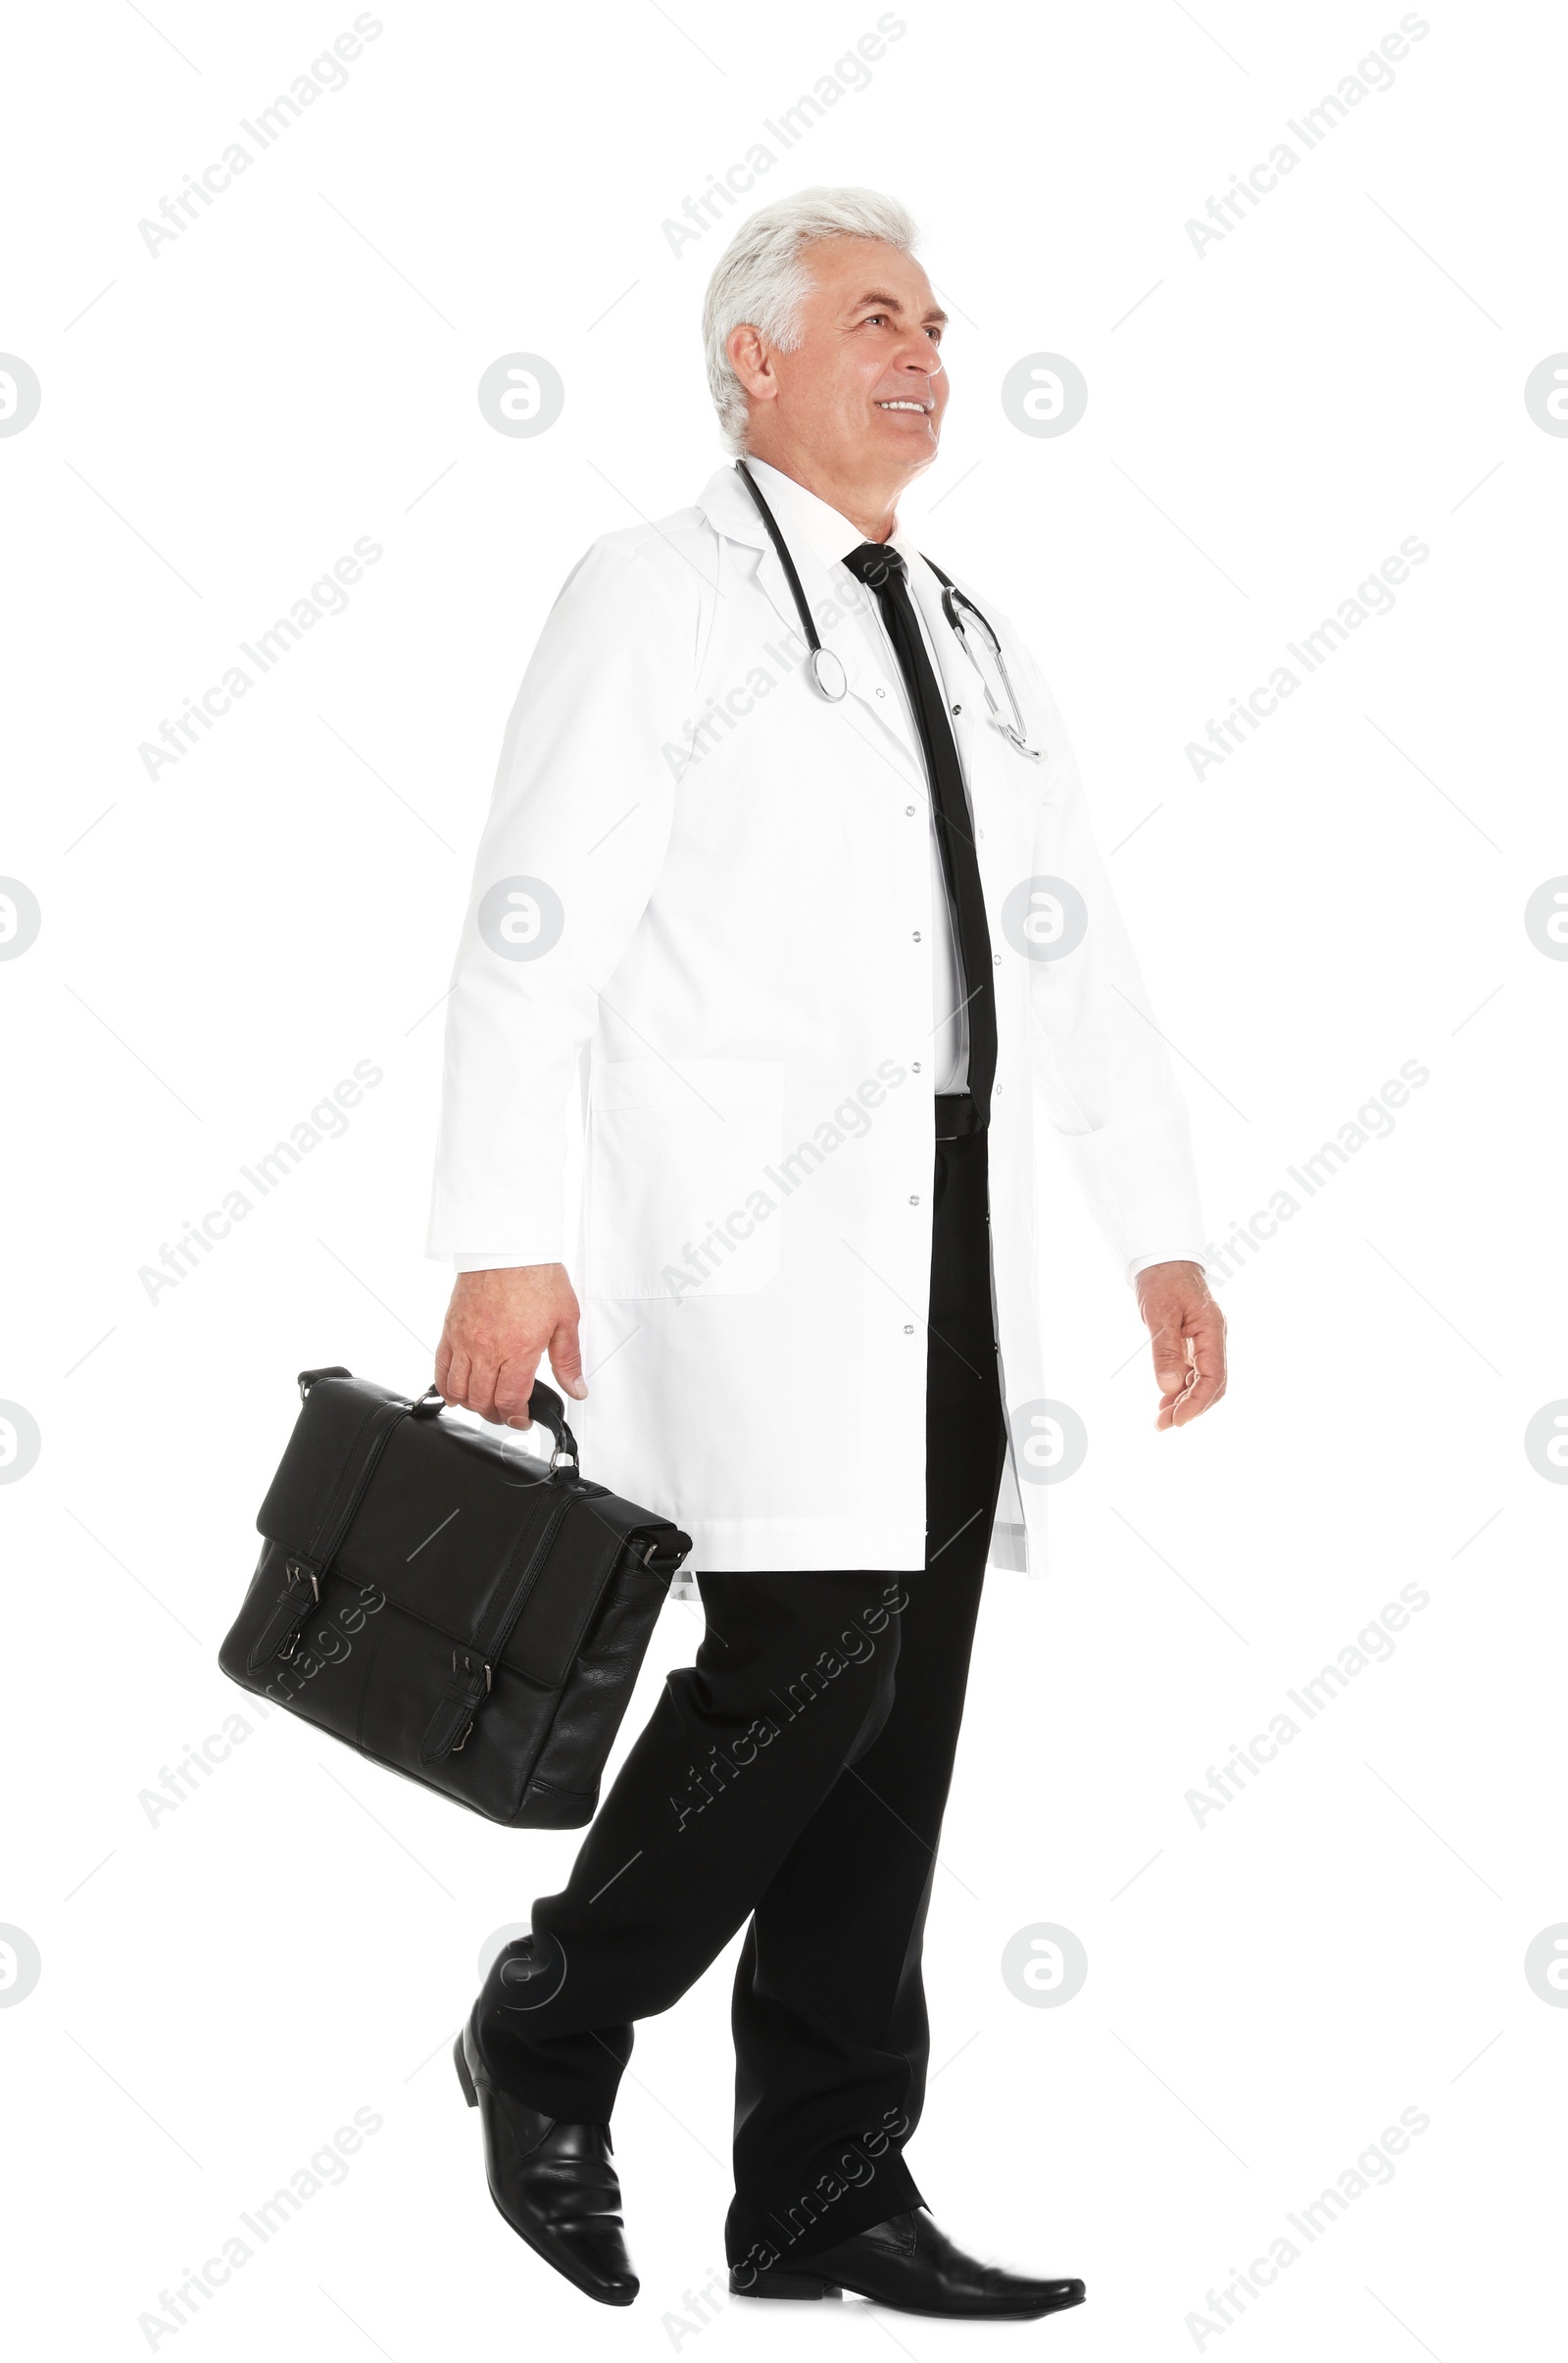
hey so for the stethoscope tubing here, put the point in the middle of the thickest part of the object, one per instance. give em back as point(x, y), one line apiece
point(827, 669)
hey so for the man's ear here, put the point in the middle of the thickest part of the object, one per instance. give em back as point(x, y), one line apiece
point(749, 358)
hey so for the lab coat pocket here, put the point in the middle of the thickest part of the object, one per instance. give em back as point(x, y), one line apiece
point(679, 1201)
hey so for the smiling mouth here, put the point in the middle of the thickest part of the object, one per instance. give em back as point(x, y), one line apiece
point(924, 407)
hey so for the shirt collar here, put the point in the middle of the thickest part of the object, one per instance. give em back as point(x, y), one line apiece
point(800, 514)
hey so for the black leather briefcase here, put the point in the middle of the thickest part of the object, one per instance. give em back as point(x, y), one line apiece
point(440, 1599)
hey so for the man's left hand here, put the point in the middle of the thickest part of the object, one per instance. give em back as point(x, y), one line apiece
point(1188, 1331)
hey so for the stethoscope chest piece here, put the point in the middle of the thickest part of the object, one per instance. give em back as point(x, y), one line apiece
point(831, 679)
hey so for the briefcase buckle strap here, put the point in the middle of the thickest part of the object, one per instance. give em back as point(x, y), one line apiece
point(279, 1637)
point(298, 1576)
point(459, 1744)
point(456, 1709)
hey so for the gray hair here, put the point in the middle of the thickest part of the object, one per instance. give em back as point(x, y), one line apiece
point(762, 279)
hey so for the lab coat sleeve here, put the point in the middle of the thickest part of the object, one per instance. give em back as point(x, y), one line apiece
point(578, 831)
point(1103, 1078)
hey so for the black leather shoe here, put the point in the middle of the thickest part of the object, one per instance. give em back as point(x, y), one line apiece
point(554, 2183)
point(909, 2263)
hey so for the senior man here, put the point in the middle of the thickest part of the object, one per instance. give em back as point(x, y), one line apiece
point(787, 939)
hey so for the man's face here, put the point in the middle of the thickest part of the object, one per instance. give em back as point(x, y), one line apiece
point(863, 392)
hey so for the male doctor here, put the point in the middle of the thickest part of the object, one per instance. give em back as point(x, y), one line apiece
point(793, 958)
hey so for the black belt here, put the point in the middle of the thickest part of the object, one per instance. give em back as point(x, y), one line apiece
point(956, 1114)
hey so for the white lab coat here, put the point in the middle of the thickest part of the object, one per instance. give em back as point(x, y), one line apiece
point(695, 983)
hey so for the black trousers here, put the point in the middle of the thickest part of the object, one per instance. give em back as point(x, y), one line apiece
point(796, 1773)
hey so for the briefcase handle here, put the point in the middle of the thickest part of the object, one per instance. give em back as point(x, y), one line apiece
point(544, 1405)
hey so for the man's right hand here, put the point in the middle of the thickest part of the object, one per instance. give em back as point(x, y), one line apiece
point(496, 1326)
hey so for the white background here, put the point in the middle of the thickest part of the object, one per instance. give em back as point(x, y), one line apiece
point(223, 1986)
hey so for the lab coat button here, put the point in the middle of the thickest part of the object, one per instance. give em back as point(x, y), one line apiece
point(914, 1202)
point(909, 1329)
point(909, 809)
point(917, 935)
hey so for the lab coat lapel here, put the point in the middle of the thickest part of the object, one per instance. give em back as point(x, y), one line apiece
point(878, 718)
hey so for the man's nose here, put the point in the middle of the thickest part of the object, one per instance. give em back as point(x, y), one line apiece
point(921, 359)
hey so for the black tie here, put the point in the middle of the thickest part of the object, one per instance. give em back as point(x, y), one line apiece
point(882, 570)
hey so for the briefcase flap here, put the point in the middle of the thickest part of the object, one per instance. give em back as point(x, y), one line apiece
point(332, 1441)
point(446, 1520)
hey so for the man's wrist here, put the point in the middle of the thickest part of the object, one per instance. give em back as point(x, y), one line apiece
point(1146, 1263)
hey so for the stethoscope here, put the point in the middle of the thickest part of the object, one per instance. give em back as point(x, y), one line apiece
point(827, 669)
